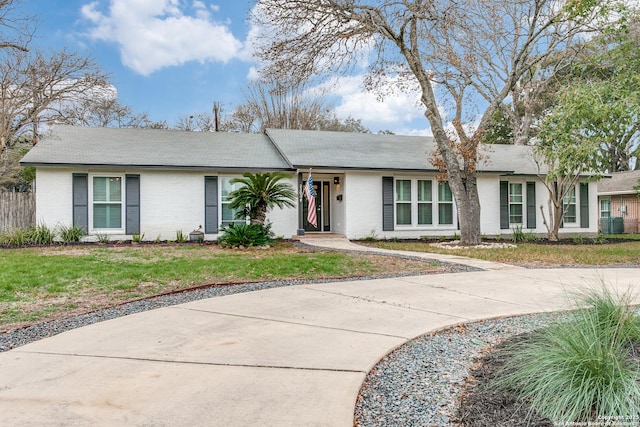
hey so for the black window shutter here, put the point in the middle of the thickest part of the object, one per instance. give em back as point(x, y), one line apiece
point(387, 203)
point(584, 204)
point(531, 205)
point(132, 211)
point(80, 189)
point(504, 205)
point(210, 204)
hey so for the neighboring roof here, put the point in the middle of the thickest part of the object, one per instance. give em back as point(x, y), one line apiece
point(345, 150)
point(619, 183)
point(76, 146)
point(154, 148)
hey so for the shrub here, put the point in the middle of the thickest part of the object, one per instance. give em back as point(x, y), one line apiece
point(372, 237)
point(71, 234)
point(103, 237)
point(16, 237)
point(578, 240)
point(181, 237)
point(40, 235)
point(241, 234)
point(517, 235)
point(137, 237)
point(580, 370)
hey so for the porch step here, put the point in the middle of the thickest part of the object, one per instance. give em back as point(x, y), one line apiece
point(318, 236)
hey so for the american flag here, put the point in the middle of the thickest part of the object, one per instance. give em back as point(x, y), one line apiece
point(311, 200)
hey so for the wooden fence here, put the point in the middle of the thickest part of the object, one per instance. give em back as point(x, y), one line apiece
point(17, 210)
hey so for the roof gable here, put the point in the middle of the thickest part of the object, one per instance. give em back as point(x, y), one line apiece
point(154, 148)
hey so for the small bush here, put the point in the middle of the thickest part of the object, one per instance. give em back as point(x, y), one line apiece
point(580, 370)
point(241, 234)
point(600, 240)
point(181, 237)
point(578, 240)
point(16, 238)
point(103, 237)
point(40, 235)
point(137, 237)
point(372, 237)
point(71, 234)
point(517, 235)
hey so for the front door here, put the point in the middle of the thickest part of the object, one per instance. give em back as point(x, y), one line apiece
point(323, 207)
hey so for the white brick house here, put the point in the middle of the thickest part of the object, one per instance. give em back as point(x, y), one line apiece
point(156, 182)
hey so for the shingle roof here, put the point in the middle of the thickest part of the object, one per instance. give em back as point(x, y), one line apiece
point(344, 150)
point(619, 183)
point(276, 150)
point(154, 148)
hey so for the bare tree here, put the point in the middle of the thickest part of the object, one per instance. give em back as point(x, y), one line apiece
point(278, 105)
point(287, 106)
point(198, 122)
point(35, 88)
point(467, 58)
point(15, 30)
point(101, 111)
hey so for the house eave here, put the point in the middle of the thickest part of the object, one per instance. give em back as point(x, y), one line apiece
point(619, 193)
point(154, 167)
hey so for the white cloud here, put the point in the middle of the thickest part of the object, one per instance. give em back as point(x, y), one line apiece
point(398, 110)
point(153, 34)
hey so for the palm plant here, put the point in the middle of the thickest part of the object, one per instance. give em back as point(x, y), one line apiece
point(259, 193)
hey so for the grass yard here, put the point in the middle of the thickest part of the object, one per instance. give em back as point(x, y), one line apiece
point(607, 254)
point(38, 284)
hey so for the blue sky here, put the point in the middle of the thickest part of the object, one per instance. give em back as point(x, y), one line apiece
point(172, 58)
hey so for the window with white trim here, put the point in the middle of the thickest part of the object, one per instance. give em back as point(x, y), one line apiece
point(445, 204)
point(107, 200)
point(228, 215)
point(403, 202)
point(515, 203)
point(425, 202)
point(569, 203)
point(416, 205)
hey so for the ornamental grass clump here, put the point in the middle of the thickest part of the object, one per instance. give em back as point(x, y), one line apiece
point(583, 369)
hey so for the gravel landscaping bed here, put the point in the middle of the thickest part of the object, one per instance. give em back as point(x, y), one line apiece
point(418, 383)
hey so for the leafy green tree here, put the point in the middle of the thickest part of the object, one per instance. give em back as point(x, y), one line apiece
point(567, 153)
point(261, 192)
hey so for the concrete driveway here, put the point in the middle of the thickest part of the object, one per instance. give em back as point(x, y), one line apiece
point(293, 356)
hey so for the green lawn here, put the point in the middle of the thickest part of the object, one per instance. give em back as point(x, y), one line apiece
point(614, 252)
point(40, 283)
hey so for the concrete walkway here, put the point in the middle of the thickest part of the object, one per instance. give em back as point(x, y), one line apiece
point(293, 356)
point(341, 243)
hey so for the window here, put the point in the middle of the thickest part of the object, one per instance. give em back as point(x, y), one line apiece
point(515, 203)
point(228, 214)
point(107, 202)
point(415, 204)
point(403, 202)
point(569, 203)
point(445, 204)
point(425, 205)
point(605, 208)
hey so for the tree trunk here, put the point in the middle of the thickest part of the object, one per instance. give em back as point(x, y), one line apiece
point(468, 206)
point(261, 215)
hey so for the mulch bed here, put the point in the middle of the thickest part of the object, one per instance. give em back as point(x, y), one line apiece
point(482, 406)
